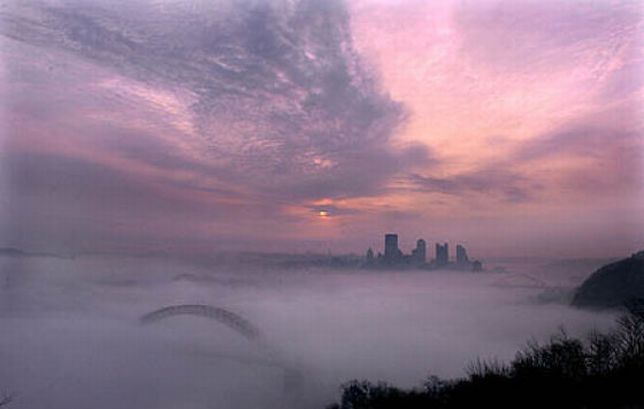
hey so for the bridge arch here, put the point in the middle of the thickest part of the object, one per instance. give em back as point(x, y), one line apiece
point(232, 320)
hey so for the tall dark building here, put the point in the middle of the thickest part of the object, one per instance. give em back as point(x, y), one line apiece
point(392, 252)
point(461, 255)
point(419, 254)
point(442, 254)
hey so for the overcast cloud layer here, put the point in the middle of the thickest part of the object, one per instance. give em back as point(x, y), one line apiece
point(230, 124)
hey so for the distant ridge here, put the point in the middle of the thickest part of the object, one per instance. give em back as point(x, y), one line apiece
point(613, 285)
point(15, 252)
point(11, 251)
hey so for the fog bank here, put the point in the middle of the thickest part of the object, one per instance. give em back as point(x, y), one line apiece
point(71, 335)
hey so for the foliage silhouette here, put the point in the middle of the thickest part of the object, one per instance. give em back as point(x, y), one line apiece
point(5, 399)
point(606, 370)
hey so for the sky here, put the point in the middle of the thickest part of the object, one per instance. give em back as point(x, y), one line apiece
point(514, 128)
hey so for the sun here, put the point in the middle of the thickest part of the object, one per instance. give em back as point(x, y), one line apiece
point(323, 213)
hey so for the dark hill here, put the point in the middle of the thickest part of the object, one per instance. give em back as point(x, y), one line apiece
point(11, 251)
point(613, 285)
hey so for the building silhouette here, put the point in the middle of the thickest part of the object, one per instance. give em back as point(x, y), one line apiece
point(419, 254)
point(392, 252)
point(370, 256)
point(461, 255)
point(442, 254)
point(393, 257)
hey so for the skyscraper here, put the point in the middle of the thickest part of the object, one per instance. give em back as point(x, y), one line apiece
point(391, 247)
point(370, 255)
point(419, 254)
point(461, 255)
point(442, 254)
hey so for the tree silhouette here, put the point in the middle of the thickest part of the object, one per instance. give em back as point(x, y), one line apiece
point(605, 370)
point(5, 399)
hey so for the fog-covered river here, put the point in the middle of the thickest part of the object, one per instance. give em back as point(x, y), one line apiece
point(71, 336)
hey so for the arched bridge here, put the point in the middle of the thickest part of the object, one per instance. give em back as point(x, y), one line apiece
point(228, 318)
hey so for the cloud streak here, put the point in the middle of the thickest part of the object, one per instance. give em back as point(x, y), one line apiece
point(281, 97)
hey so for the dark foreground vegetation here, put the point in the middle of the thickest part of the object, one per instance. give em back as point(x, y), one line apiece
point(606, 370)
point(5, 399)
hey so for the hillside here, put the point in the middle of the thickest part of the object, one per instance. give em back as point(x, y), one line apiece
point(614, 284)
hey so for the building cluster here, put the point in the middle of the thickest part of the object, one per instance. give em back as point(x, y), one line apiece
point(394, 257)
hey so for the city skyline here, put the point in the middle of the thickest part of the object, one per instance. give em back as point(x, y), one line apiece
point(394, 257)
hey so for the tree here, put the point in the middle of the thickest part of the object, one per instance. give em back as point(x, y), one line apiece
point(5, 399)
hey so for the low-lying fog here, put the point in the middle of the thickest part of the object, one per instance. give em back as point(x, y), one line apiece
point(70, 335)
